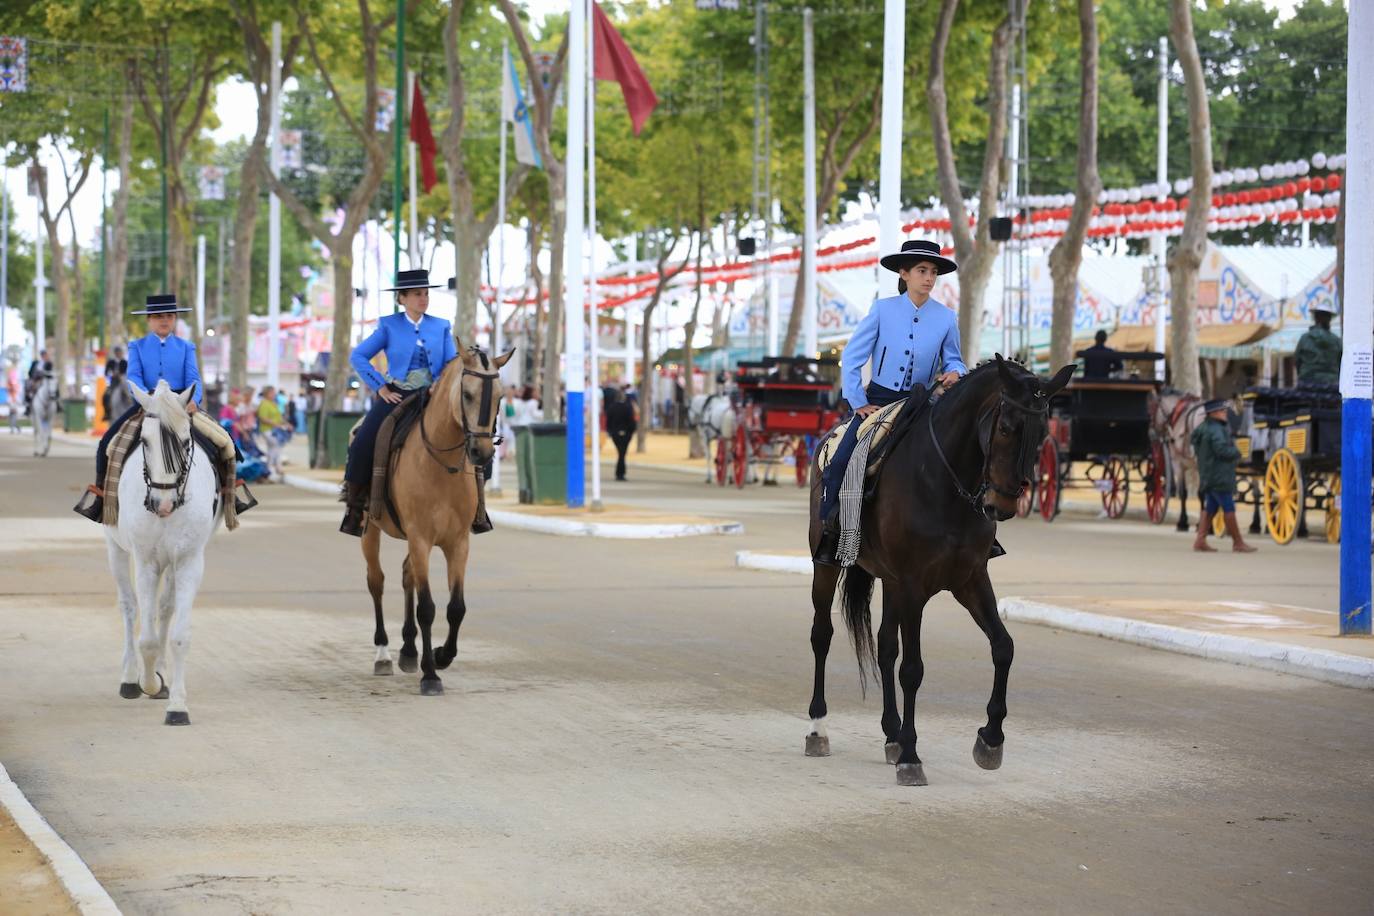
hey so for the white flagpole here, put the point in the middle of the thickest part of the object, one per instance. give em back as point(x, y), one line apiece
point(274, 222)
point(414, 247)
point(575, 378)
point(494, 485)
point(808, 303)
point(591, 257)
point(890, 143)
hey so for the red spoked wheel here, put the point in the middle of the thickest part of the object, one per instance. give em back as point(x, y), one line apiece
point(1025, 503)
point(741, 455)
point(1115, 487)
point(802, 456)
point(1157, 483)
point(1048, 484)
point(722, 460)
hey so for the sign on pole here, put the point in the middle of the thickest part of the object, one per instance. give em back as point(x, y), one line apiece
point(14, 64)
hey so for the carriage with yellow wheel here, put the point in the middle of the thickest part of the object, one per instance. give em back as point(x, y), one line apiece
point(1290, 447)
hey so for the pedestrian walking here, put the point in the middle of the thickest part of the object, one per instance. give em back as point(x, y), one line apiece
point(15, 392)
point(621, 424)
point(1216, 464)
point(276, 432)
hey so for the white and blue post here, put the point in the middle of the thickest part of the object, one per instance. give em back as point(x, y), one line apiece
point(1357, 326)
point(574, 363)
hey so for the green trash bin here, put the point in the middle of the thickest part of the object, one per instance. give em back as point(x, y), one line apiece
point(548, 457)
point(337, 426)
point(74, 415)
point(312, 428)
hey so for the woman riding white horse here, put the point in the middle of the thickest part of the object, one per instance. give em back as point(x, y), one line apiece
point(168, 508)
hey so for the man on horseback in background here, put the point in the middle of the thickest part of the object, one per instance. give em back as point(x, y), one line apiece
point(418, 347)
point(912, 342)
point(158, 356)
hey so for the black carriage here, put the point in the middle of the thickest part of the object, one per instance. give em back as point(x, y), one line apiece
point(1105, 423)
point(782, 405)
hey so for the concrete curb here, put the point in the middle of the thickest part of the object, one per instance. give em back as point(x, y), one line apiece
point(562, 526)
point(76, 879)
point(1318, 664)
point(772, 562)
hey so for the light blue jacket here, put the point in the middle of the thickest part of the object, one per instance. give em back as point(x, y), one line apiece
point(151, 358)
point(397, 336)
point(907, 346)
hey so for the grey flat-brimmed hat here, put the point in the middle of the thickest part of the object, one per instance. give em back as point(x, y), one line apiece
point(161, 304)
point(919, 250)
point(412, 279)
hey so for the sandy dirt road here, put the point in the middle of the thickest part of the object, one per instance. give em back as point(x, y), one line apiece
point(622, 732)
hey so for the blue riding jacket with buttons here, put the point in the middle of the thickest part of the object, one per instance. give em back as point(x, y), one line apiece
point(399, 338)
point(171, 358)
point(907, 346)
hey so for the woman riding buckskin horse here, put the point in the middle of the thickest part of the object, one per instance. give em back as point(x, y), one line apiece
point(418, 346)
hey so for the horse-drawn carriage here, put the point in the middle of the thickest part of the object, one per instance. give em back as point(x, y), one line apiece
point(1290, 446)
point(781, 406)
point(1106, 423)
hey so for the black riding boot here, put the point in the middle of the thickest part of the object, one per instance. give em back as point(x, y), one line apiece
point(355, 517)
point(93, 510)
point(481, 522)
point(827, 549)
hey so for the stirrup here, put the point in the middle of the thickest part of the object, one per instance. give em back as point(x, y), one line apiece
point(482, 525)
point(243, 497)
point(95, 508)
point(997, 550)
point(354, 521)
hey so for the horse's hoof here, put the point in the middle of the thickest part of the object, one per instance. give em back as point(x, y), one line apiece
point(162, 694)
point(431, 688)
point(382, 668)
point(911, 774)
point(177, 718)
point(989, 758)
point(409, 663)
point(130, 691)
point(892, 750)
point(442, 659)
point(817, 746)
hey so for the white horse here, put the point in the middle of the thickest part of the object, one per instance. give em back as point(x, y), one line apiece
point(43, 411)
point(712, 416)
point(168, 509)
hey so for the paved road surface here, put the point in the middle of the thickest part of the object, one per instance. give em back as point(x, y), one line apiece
point(623, 732)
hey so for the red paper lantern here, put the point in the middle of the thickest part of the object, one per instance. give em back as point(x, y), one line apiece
point(1228, 200)
point(1331, 212)
point(1333, 182)
point(1216, 200)
point(1304, 185)
point(1170, 205)
point(1318, 185)
point(1290, 189)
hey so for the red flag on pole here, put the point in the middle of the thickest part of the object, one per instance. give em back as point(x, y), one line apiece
point(423, 137)
point(615, 62)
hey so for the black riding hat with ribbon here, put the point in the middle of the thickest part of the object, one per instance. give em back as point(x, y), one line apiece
point(914, 250)
point(161, 304)
point(412, 279)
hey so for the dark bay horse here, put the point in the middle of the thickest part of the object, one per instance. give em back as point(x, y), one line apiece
point(940, 492)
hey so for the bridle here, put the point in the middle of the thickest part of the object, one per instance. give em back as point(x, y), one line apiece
point(470, 435)
point(170, 457)
point(1041, 408)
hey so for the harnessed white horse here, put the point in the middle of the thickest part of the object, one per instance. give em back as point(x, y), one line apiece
point(168, 508)
point(43, 411)
point(713, 417)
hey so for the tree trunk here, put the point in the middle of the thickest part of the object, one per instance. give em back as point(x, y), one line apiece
point(78, 294)
point(696, 449)
point(974, 250)
point(61, 327)
point(117, 264)
point(336, 381)
point(1186, 258)
point(646, 401)
point(468, 248)
point(534, 233)
point(241, 269)
point(1067, 254)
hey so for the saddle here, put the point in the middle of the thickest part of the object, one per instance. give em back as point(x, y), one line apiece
point(887, 424)
point(212, 440)
point(391, 436)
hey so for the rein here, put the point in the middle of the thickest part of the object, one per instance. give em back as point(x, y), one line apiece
point(488, 383)
point(985, 483)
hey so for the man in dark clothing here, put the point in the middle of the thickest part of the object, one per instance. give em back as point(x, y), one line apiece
point(1318, 353)
point(620, 426)
point(1100, 360)
point(1216, 465)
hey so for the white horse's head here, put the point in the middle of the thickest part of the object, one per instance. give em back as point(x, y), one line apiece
point(167, 446)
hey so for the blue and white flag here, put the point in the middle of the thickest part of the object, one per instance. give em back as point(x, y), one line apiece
point(515, 110)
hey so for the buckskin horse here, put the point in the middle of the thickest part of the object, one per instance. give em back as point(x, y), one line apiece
point(433, 492)
point(939, 493)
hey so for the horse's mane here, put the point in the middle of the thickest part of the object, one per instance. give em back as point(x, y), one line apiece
point(164, 405)
point(978, 377)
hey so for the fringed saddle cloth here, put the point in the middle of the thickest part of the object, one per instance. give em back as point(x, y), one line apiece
point(877, 425)
point(214, 440)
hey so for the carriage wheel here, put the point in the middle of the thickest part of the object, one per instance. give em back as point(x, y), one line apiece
point(1048, 483)
point(1283, 495)
point(1333, 510)
point(722, 460)
point(741, 456)
point(802, 456)
point(1025, 503)
point(1114, 500)
point(1157, 483)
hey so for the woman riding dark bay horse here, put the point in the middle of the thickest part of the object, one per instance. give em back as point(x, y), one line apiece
point(940, 492)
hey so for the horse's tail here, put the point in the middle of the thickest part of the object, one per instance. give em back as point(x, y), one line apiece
point(856, 594)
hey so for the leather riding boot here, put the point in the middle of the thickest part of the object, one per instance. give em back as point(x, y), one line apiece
point(1238, 544)
point(827, 550)
point(355, 517)
point(997, 550)
point(481, 521)
point(1204, 525)
point(95, 509)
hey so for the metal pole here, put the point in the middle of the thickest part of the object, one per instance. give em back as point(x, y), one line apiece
point(809, 143)
point(219, 276)
point(40, 289)
point(1357, 326)
point(274, 222)
point(890, 155)
point(494, 485)
point(399, 125)
point(1010, 296)
point(104, 223)
point(200, 285)
point(595, 418)
point(414, 234)
point(1162, 178)
point(4, 253)
point(164, 200)
point(575, 366)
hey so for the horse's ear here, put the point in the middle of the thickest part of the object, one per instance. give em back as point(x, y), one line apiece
point(1009, 380)
point(185, 396)
point(1061, 378)
point(504, 357)
point(141, 396)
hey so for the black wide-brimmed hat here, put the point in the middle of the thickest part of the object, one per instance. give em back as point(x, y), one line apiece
point(914, 250)
point(412, 279)
point(161, 304)
point(1216, 404)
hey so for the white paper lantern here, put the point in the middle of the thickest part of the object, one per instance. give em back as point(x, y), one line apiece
point(1267, 172)
point(1302, 166)
point(1319, 160)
